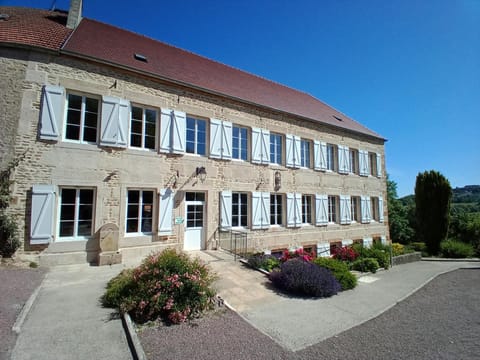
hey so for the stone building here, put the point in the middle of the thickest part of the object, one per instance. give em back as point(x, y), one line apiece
point(128, 141)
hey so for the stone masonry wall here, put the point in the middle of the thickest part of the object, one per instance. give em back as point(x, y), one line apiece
point(112, 171)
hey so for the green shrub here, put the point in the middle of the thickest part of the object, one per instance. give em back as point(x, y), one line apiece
point(9, 242)
point(262, 261)
point(378, 251)
point(366, 265)
point(168, 285)
point(340, 270)
point(398, 249)
point(456, 249)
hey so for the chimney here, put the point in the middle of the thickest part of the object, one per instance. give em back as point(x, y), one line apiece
point(74, 14)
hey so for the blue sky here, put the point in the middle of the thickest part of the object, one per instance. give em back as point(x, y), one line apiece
point(407, 69)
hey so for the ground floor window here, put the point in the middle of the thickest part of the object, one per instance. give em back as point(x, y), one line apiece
point(276, 209)
point(355, 208)
point(332, 209)
point(76, 212)
point(139, 211)
point(239, 209)
point(306, 209)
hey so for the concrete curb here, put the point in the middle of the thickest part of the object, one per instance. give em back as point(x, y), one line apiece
point(132, 338)
point(17, 327)
point(467, 260)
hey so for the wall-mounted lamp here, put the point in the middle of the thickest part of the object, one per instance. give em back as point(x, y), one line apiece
point(201, 173)
point(278, 180)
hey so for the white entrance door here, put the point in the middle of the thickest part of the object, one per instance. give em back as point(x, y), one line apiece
point(194, 211)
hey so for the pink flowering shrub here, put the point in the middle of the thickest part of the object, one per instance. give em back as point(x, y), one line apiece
point(298, 253)
point(345, 253)
point(167, 285)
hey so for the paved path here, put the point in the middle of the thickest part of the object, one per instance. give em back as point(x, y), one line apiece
point(298, 323)
point(67, 321)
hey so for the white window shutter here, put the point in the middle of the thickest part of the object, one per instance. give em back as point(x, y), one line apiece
point(51, 116)
point(265, 210)
point(347, 242)
point(294, 217)
point(321, 209)
point(115, 119)
point(363, 162)
point(296, 151)
point(379, 165)
point(216, 137)
point(365, 209)
point(227, 140)
point(179, 136)
point(343, 159)
point(316, 155)
point(367, 242)
point(260, 210)
point(256, 145)
point(380, 209)
point(320, 155)
point(225, 210)
point(345, 210)
point(289, 150)
point(42, 216)
point(124, 123)
point(383, 240)
point(368, 208)
point(165, 212)
point(265, 147)
point(165, 130)
point(323, 249)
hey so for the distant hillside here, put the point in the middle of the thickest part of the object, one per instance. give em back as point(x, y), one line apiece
point(467, 194)
point(467, 197)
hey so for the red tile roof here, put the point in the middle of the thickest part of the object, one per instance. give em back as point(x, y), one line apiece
point(33, 27)
point(106, 43)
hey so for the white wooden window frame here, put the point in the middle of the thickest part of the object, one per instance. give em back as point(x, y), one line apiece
point(143, 135)
point(76, 219)
point(333, 209)
point(276, 155)
point(82, 117)
point(276, 209)
point(305, 153)
point(139, 213)
point(241, 146)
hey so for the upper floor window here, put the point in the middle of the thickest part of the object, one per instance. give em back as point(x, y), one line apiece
point(332, 209)
point(139, 211)
point(82, 118)
point(306, 209)
point(305, 153)
point(239, 143)
point(275, 149)
point(276, 209)
point(331, 157)
point(196, 136)
point(372, 157)
point(143, 126)
point(239, 209)
point(353, 161)
point(76, 212)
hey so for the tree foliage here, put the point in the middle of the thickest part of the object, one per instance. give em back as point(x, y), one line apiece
point(432, 206)
point(398, 216)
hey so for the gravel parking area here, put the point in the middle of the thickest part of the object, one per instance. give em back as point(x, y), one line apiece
point(440, 321)
point(16, 286)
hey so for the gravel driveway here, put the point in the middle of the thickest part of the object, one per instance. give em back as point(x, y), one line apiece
point(440, 321)
point(16, 286)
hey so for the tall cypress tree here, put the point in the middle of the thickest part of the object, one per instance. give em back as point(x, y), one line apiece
point(432, 199)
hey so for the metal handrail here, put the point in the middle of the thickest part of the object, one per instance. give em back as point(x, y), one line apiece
point(236, 243)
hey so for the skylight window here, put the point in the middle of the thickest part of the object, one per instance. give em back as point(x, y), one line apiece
point(140, 57)
point(336, 117)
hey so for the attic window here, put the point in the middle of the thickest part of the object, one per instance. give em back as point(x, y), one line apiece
point(4, 16)
point(140, 57)
point(336, 117)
